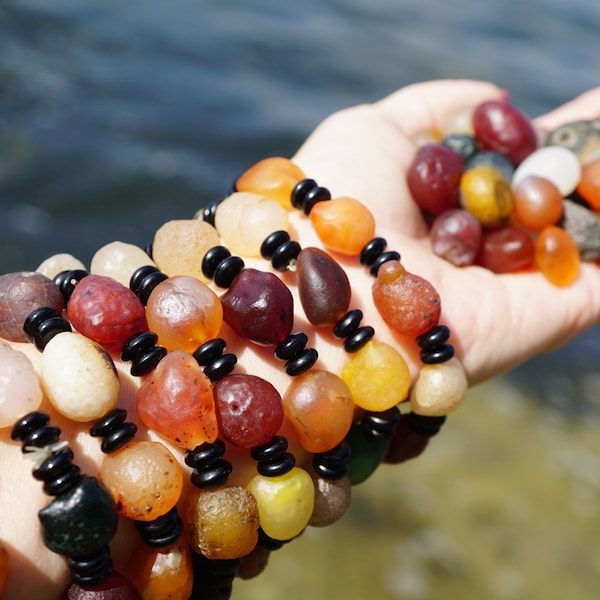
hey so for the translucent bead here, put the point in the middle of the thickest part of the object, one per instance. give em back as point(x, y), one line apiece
point(439, 389)
point(53, 265)
point(486, 195)
point(343, 224)
point(79, 521)
point(244, 220)
point(184, 312)
point(79, 377)
point(106, 311)
point(366, 454)
point(249, 409)
point(223, 523)
point(555, 163)
point(323, 287)
point(319, 407)
point(4, 567)
point(538, 202)
point(144, 479)
point(180, 245)
point(589, 185)
point(20, 294)
point(20, 389)
point(159, 573)
point(285, 503)
point(459, 121)
point(409, 304)
point(557, 256)
point(332, 500)
point(378, 376)
point(119, 260)
point(253, 564)
point(176, 401)
point(273, 177)
point(506, 249)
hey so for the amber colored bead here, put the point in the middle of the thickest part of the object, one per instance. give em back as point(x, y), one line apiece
point(589, 185)
point(4, 567)
point(506, 249)
point(323, 287)
point(163, 573)
point(223, 523)
point(274, 177)
point(409, 304)
point(557, 256)
point(184, 313)
point(319, 406)
point(537, 202)
point(343, 224)
point(176, 401)
point(115, 587)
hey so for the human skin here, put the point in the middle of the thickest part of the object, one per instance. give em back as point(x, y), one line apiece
point(497, 321)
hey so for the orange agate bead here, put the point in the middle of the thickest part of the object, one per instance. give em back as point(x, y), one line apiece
point(537, 202)
point(176, 401)
point(343, 224)
point(159, 573)
point(4, 567)
point(589, 185)
point(557, 256)
point(273, 177)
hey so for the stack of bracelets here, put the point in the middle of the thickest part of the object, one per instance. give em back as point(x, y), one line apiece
point(230, 466)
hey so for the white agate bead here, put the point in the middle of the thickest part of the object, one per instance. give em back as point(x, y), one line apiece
point(119, 260)
point(244, 220)
point(57, 263)
point(555, 163)
point(439, 389)
point(79, 377)
point(20, 389)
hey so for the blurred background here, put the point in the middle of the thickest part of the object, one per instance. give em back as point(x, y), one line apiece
point(117, 116)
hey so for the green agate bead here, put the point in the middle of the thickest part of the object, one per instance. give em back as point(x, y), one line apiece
point(81, 521)
point(366, 454)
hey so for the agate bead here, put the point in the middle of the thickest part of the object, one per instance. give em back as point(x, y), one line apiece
point(537, 202)
point(144, 479)
point(184, 312)
point(409, 304)
point(506, 249)
point(319, 406)
point(176, 401)
point(343, 224)
point(377, 376)
point(332, 500)
point(119, 261)
point(557, 256)
point(455, 236)
point(223, 523)
point(366, 454)
point(58, 263)
point(589, 185)
point(114, 587)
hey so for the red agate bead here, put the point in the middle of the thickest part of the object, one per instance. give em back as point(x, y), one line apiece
point(105, 311)
point(506, 249)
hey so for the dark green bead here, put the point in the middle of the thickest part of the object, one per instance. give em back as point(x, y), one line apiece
point(366, 454)
point(464, 144)
point(80, 521)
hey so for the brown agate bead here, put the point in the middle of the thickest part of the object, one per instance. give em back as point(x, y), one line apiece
point(323, 287)
point(253, 564)
point(405, 443)
point(20, 294)
point(115, 587)
point(259, 307)
point(332, 500)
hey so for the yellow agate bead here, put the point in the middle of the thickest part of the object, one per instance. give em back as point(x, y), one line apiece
point(285, 503)
point(439, 389)
point(377, 376)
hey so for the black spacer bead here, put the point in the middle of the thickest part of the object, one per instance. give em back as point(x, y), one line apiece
point(91, 570)
point(371, 251)
point(291, 346)
point(355, 341)
point(147, 285)
point(67, 280)
point(424, 425)
point(162, 531)
point(274, 448)
point(300, 190)
point(205, 454)
point(137, 345)
point(29, 423)
point(139, 275)
point(108, 422)
point(434, 337)
point(210, 210)
point(383, 258)
point(317, 194)
point(61, 483)
point(44, 436)
point(380, 425)
point(277, 467)
point(272, 242)
point(213, 476)
point(285, 256)
point(347, 324)
point(332, 464)
point(302, 362)
point(55, 465)
point(220, 367)
point(36, 318)
point(211, 260)
point(332, 473)
point(438, 355)
point(227, 271)
point(149, 249)
point(147, 362)
point(209, 351)
point(48, 329)
point(116, 439)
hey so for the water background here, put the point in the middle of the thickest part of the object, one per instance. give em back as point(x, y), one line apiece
point(117, 116)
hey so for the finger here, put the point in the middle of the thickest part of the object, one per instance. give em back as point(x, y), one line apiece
point(585, 106)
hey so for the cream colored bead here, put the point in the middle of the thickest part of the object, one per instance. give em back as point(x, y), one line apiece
point(180, 245)
point(79, 377)
point(57, 263)
point(119, 260)
point(244, 220)
point(439, 389)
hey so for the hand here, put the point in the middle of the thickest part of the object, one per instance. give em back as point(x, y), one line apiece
point(496, 321)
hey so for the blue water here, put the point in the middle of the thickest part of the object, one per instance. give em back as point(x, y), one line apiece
point(118, 115)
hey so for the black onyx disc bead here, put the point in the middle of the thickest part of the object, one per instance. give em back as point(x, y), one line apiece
point(161, 532)
point(307, 193)
point(67, 280)
point(142, 351)
point(211, 470)
point(434, 349)
point(58, 472)
point(34, 429)
point(272, 458)
point(144, 280)
point(114, 430)
point(92, 569)
point(424, 425)
point(210, 210)
point(298, 357)
point(380, 425)
point(373, 255)
point(219, 265)
point(216, 364)
point(348, 327)
point(272, 242)
point(334, 463)
point(213, 579)
point(43, 324)
point(280, 250)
